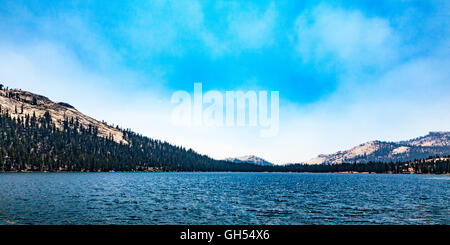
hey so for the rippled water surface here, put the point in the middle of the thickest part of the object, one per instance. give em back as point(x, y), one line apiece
point(223, 198)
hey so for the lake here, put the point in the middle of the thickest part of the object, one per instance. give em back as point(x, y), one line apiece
point(223, 198)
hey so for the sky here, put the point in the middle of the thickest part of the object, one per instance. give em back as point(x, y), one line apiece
point(347, 72)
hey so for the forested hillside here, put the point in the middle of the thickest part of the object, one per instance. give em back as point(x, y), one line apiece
point(34, 143)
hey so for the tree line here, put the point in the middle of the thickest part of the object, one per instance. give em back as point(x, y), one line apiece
point(31, 143)
point(431, 165)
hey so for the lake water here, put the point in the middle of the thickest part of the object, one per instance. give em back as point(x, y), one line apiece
point(223, 198)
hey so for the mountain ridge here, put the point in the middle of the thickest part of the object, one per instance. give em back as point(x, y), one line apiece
point(250, 159)
point(19, 103)
point(432, 144)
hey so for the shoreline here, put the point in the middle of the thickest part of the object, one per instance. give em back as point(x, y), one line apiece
point(287, 172)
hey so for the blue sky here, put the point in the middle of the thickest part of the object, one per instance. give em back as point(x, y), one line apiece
point(347, 71)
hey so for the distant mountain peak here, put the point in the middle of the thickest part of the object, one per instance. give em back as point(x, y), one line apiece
point(432, 144)
point(250, 159)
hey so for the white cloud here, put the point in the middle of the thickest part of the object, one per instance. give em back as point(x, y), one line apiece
point(178, 25)
point(344, 38)
point(405, 98)
point(253, 29)
point(407, 101)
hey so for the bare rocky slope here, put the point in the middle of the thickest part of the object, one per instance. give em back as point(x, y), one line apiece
point(250, 159)
point(432, 144)
point(19, 103)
